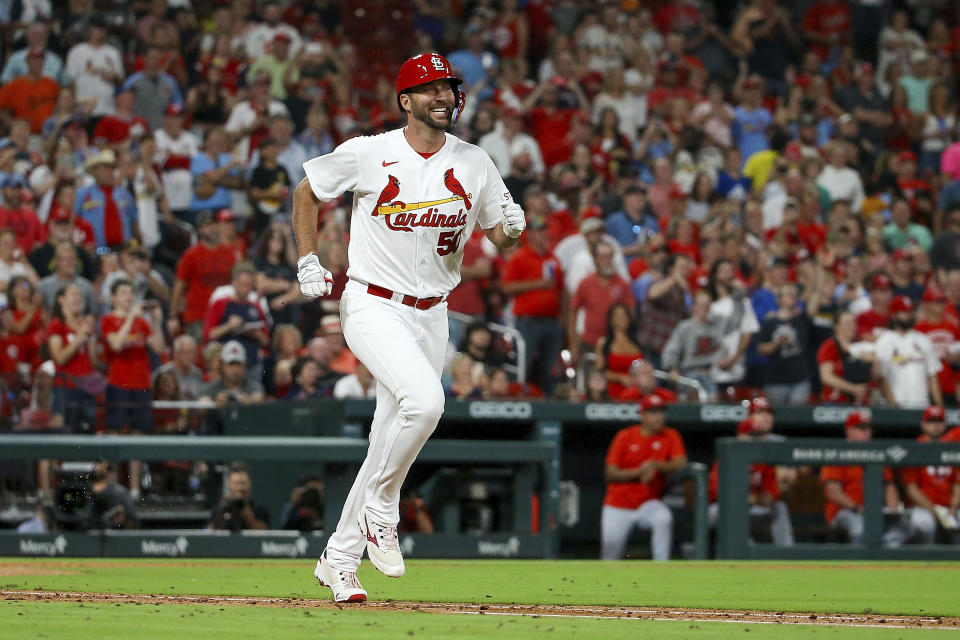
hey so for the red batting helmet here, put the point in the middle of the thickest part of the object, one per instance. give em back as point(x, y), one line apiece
point(424, 68)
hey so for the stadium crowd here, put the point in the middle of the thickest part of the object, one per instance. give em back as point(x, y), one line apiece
point(756, 198)
point(760, 199)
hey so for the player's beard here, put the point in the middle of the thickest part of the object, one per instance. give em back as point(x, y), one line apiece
point(426, 116)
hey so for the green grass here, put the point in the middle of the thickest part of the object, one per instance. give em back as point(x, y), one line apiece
point(891, 588)
point(99, 621)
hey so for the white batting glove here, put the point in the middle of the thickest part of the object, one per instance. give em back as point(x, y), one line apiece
point(315, 281)
point(513, 219)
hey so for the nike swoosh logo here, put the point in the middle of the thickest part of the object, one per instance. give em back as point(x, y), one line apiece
point(387, 164)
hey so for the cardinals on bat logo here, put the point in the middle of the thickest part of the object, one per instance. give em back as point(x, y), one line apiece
point(387, 202)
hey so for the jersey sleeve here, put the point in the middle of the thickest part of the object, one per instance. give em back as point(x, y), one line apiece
point(676, 448)
point(827, 352)
point(495, 193)
point(910, 475)
point(831, 473)
point(614, 452)
point(335, 173)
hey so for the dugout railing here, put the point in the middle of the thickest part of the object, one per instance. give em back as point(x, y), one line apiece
point(338, 459)
point(735, 456)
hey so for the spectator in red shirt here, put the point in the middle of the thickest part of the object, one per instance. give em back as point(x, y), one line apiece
point(944, 335)
point(637, 465)
point(550, 120)
point(26, 332)
point(873, 321)
point(641, 384)
point(534, 278)
point(845, 376)
point(18, 216)
point(933, 490)
point(468, 297)
point(118, 129)
point(618, 350)
point(126, 334)
point(202, 268)
point(843, 488)
point(71, 340)
point(595, 295)
point(827, 27)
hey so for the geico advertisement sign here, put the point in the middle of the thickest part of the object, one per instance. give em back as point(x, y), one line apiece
point(723, 413)
point(504, 410)
point(612, 412)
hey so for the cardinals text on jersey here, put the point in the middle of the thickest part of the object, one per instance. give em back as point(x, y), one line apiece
point(410, 214)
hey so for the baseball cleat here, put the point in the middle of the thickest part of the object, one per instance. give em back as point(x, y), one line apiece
point(345, 586)
point(383, 546)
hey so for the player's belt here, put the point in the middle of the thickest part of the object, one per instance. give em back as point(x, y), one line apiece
point(410, 301)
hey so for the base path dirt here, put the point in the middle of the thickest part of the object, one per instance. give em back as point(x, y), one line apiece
point(535, 611)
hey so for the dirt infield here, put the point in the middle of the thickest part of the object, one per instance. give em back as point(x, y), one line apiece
point(633, 613)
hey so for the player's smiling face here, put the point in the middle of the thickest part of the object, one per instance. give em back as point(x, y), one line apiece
point(433, 103)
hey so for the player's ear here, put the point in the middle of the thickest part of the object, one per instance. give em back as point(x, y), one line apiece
point(404, 100)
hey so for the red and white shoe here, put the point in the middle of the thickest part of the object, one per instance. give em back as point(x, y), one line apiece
point(383, 545)
point(345, 586)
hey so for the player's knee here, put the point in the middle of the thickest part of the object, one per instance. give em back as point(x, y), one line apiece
point(922, 520)
point(663, 517)
point(425, 404)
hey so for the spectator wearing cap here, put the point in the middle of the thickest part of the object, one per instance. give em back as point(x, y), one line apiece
point(900, 270)
point(641, 383)
point(934, 490)
point(914, 189)
point(633, 225)
point(784, 338)
point(154, 89)
point(751, 119)
point(108, 208)
point(117, 130)
point(249, 120)
point(805, 144)
point(94, 68)
point(16, 215)
point(843, 489)
point(260, 38)
point(576, 253)
point(134, 265)
point(944, 333)
point(767, 509)
point(269, 186)
point(202, 268)
point(282, 68)
point(901, 232)
point(238, 319)
point(840, 181)
point(176, 148)
point(908, 361)
point(638, 463)
point(534, 279)
point(872, 321)
point(342, 360)
point(31, 96)
point(696, 345)
point(508, 140)
point(38, 35)
point(595, 295)
point(233, 386)
point(63, 225)
point(183, 365)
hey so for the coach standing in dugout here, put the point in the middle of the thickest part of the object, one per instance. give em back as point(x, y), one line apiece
point(638, 462)
point(933, 490)
point(843, 489)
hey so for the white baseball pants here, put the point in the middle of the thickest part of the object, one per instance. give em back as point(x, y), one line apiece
point(777, 515)
point(894, 535)
point(616, 525)
point(403, 348)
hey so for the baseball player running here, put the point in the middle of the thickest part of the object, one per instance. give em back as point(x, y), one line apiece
point(418, 192)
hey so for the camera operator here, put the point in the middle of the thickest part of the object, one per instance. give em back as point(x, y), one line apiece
point(304, 512)
point(237, 511)
point(113, 508)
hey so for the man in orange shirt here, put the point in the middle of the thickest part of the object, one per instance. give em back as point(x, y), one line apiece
point(843, 489)
point(933, 490)
point(31, 97)
point(638, 462)
point(534, 278)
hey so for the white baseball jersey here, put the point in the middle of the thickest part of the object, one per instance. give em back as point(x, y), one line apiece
point(177, 183)
point(411, 216)
point(907, 362)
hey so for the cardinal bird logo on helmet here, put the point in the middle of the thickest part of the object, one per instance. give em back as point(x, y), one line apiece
point(454, 186)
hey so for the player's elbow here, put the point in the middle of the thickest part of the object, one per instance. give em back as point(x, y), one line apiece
point(303, 193)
